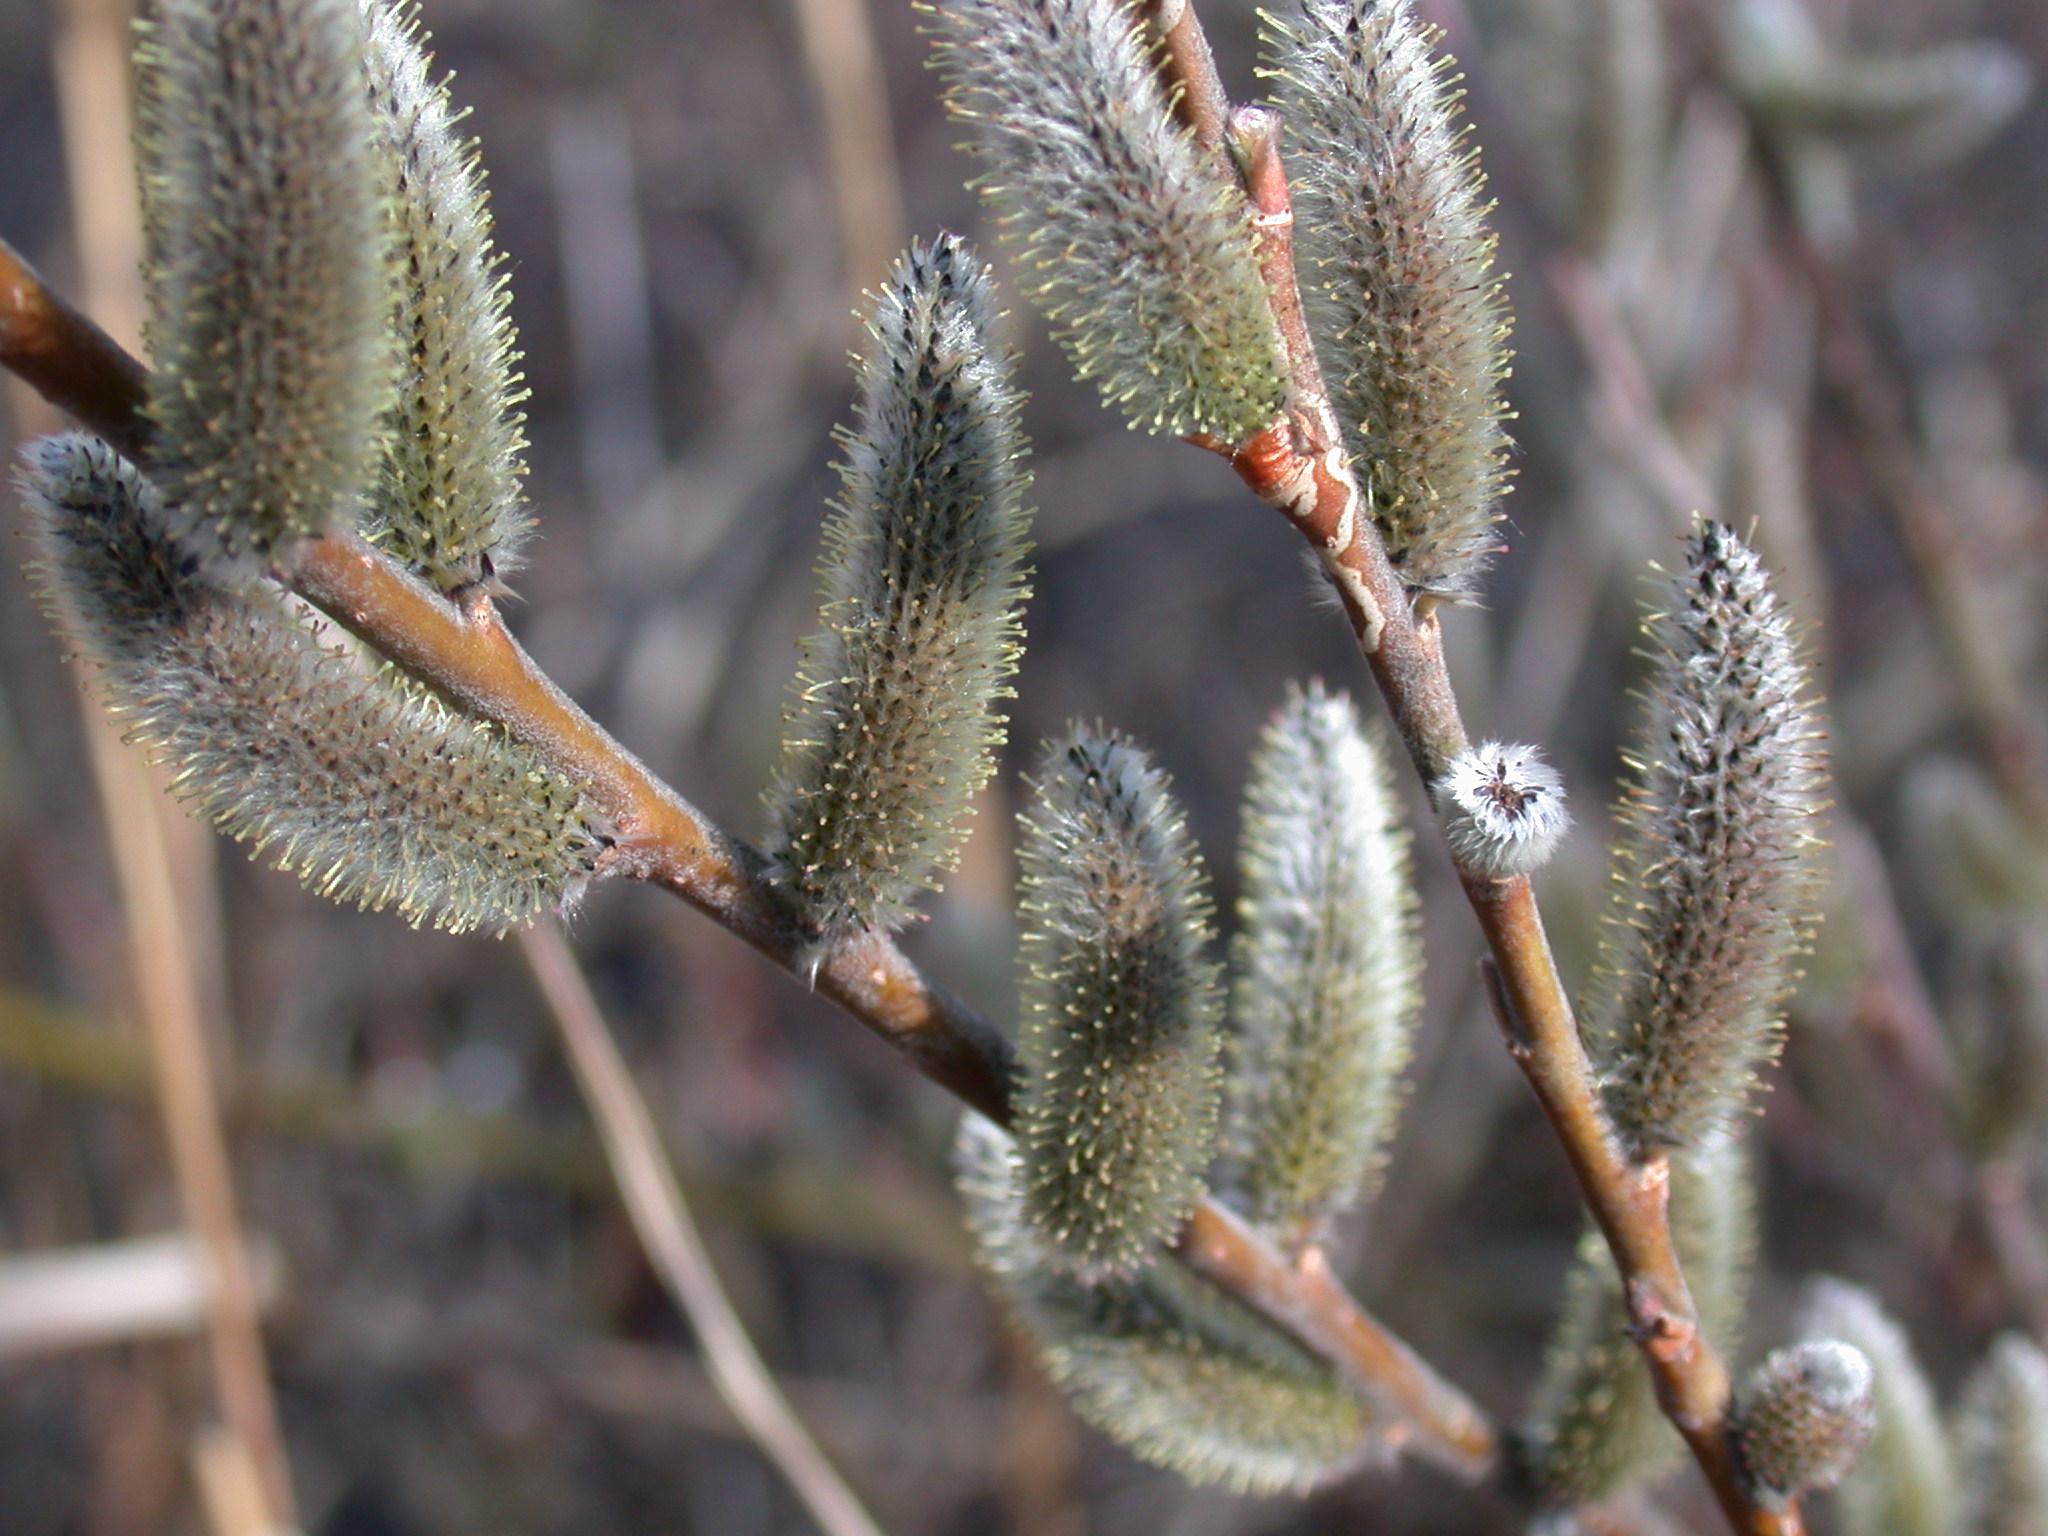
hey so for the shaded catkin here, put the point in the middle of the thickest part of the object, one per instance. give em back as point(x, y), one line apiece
point(446, 498)
point(1397, 272)
point(1803, 1418)
point(1905, 1485)
point(894, 724)
point(266, 271)
point(1182, 1373)
point(1139, 243)
point(1325, 992)
point(1715, 876)
point(2001, 1442)
point(1595, 1428)
point(363, 785)
point(1117, 1077)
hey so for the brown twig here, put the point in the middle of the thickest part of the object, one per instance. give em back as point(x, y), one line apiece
point(464, 651)
point(1299, 466)
point(675, 1247)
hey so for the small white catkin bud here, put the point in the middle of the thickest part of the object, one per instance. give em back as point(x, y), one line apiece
point(1804, 1418)
point(1503, 809)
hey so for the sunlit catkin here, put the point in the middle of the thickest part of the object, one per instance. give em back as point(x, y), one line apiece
point(362, 785)
point(1325, 970)
point(1139, 243)
point(1715, 874)
point(2001, 1441)
point(1596, 1428)
point(1186, 1376)
point(1905, 1484)
point(894, 725)
point(446, 499)
point(1803, 1418)
point(1117, 1080)
point(1397, 272)
point(266, 270)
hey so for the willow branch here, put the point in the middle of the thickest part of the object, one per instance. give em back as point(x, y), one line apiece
point(1299, 466)
point(463, 650)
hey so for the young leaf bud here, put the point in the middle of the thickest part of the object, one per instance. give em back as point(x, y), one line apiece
point(446, 499)
point(1118, 1084)
point(894, 727)
point(1715, 876)
point(1185, 1375)
point(1324, 995)
point(1142, 244)
point(1804, 1418)
point(1503, 810)
point(2001, 1442)
point(1397, 270)
point(364, 786)
point(266, 270)
point(1596, 1428)
point(1905, 1484)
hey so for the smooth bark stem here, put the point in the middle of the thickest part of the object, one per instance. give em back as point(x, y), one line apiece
point(462, 649)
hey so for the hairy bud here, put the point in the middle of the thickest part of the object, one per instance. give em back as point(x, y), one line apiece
point(1905, 1485)
point(1596, 1428)
point(894, 726)
point(1804, 1417)
point(447, 497)
point(1503, 810)
point(1185, 1375)
point(2001, 1442)
point(1325, 995)
point(266, 270)
point(1398, 277)
point(1118, 1083)
point(1141, 243)
point(1715, 878)
point(364, 786)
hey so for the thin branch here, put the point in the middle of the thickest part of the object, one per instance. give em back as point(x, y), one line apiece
point(673, 1244)
point(855, 132)
point(1299, 466)
point(465, 652)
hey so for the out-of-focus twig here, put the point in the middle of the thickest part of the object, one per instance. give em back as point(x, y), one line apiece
point(143, 1288)
point(673, 1244)
point(853, 118)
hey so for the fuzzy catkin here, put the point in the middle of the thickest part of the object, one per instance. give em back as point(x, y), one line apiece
point(1397, 273)
point(1117, 1078)
point(1715, 876)
point(1503, 808)
point(446, 498)
point(266, 271)
point(894, 724)
point(1140, 244)
point(364, 786)
point(2001, 1441)
point(1186, 1376)
point(1595, 1429)
point(1325, 990)
point(1905, 1484)
point(1804, 1417)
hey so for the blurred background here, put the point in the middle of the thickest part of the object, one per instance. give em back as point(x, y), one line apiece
point(1733, 293)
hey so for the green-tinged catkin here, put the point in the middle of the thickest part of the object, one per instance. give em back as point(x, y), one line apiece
point(2001, 1442)
point(894, 726)
point(363, 785)
point(1397, 272)
point(1803, 1418)
point(1325, 987)
point(1716, 873)
point(1117, 1077)
point(1595, 1428)
point(1186, 1376)
point(267, 271)
point(1140, 244)
point(1905, 1485)
point(446, 499)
